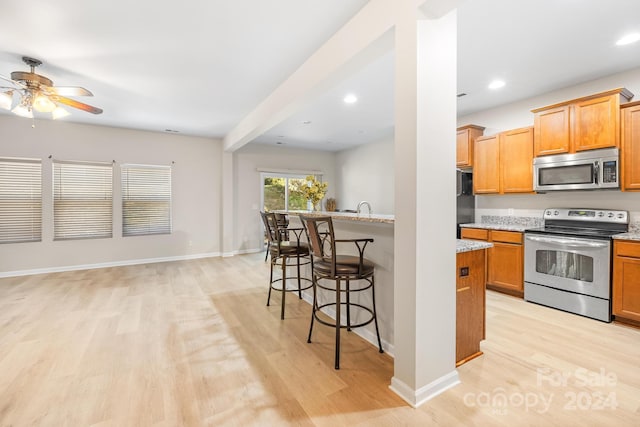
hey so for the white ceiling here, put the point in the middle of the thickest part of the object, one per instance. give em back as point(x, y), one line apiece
point(199, 67)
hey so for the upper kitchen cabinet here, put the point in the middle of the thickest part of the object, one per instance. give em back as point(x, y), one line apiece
point(486, 172)
point(581, 124)
point(465, 139)
point(516, 161)
point(503, 163)
point(630, 146)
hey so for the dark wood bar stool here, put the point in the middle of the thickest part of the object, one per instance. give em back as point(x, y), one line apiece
point(328, 266)
point(285, 253)
point(283, 222)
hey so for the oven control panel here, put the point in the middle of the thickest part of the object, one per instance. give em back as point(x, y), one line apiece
point(592, 215)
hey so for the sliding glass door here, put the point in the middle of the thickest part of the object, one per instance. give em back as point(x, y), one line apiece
point(282, 192)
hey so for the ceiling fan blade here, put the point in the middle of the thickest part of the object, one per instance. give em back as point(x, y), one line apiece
point(17, 85)
point(76, 104)
point(68, 91)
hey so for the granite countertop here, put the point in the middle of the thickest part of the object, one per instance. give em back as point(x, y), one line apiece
point(348, 216)
point(464, 245)
point(506, 223)
point(633, 234)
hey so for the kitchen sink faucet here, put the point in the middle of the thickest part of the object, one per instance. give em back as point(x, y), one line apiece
point(364, 202)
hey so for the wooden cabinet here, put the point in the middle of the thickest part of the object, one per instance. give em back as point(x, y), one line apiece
point(470, 304)
point(505, 270)
point(516, 161)
point(465, 139)
point(552, 131)
point(581, 124)
point(505, 260)
point(630, 153)
point(626, 281)
point(504, 163)
point(486, 172)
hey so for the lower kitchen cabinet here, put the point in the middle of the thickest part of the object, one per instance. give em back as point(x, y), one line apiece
point(626, 281)
point(470, 304)
point(505, 260)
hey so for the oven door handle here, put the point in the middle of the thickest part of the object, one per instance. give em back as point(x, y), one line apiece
point(569, 243)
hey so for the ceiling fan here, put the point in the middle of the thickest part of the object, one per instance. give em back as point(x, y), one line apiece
point(38, 93)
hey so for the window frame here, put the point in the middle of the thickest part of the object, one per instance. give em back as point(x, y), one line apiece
point(69, 232)
point(126, 191)
point(35, 206)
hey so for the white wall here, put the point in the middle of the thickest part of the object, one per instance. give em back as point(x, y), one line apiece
point(196, 186)
point(519, 114)
point(248, 234)
point(366, 173)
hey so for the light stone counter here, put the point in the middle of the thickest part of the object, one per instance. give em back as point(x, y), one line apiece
point(346, 216)
point(464, 245)
point(633, 234)
point(506, 223)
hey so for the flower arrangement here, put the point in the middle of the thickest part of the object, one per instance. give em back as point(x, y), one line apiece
point(314, 190)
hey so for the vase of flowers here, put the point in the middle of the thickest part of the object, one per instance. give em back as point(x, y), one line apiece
point(314, 191)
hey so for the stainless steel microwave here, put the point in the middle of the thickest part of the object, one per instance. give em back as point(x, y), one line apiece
point(587, 170)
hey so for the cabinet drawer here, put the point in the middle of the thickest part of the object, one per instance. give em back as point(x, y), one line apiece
point(506, 236)
point(628, 249)
point(474, 234)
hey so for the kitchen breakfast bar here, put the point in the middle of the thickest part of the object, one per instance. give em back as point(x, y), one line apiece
point(470, 278)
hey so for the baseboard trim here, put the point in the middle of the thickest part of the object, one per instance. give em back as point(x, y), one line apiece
point(415, 398)
point(123, 263)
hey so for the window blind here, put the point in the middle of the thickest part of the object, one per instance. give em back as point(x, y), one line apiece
point(146, 200)
point(82, 200)
point(20, 200)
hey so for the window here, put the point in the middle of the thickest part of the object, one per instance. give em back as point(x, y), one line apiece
point(281, 192)
point(146, 200)
point(20, 200)
point(82, 200)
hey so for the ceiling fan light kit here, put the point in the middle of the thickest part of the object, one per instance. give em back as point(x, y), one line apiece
point(38, 93)
point(6, 99)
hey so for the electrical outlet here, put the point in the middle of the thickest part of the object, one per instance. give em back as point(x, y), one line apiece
point(510, 212)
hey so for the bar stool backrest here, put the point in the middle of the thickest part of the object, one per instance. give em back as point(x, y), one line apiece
point(271, 228)
point(321, 238)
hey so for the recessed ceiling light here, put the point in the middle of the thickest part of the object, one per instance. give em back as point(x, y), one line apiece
point(628, 39)
point(306, 122)
point(279, 142)
point(172, 131)
point(350, 99)
point(496, 84)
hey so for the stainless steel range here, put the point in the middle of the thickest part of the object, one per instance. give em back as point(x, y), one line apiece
point(567, 263)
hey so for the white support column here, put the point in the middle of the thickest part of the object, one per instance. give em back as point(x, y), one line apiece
point(425, 293)
point(227, 230)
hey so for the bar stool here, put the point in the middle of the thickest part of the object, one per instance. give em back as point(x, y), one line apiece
point(329, 266)
point(283, 222)
point(282, 253)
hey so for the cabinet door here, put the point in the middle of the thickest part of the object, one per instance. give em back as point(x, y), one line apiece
point(486, 171)
point(464, 149)
point(626, 280)
point(516, 160)
point(626, 288)
point(470, 303)
point(506, 267)
point(631, 147)
point(552, 131)
point(465, 138)
point(596, 123)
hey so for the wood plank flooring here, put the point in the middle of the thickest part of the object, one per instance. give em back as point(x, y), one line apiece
point(192, 344)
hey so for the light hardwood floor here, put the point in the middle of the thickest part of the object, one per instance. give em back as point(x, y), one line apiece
point(192, 343)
